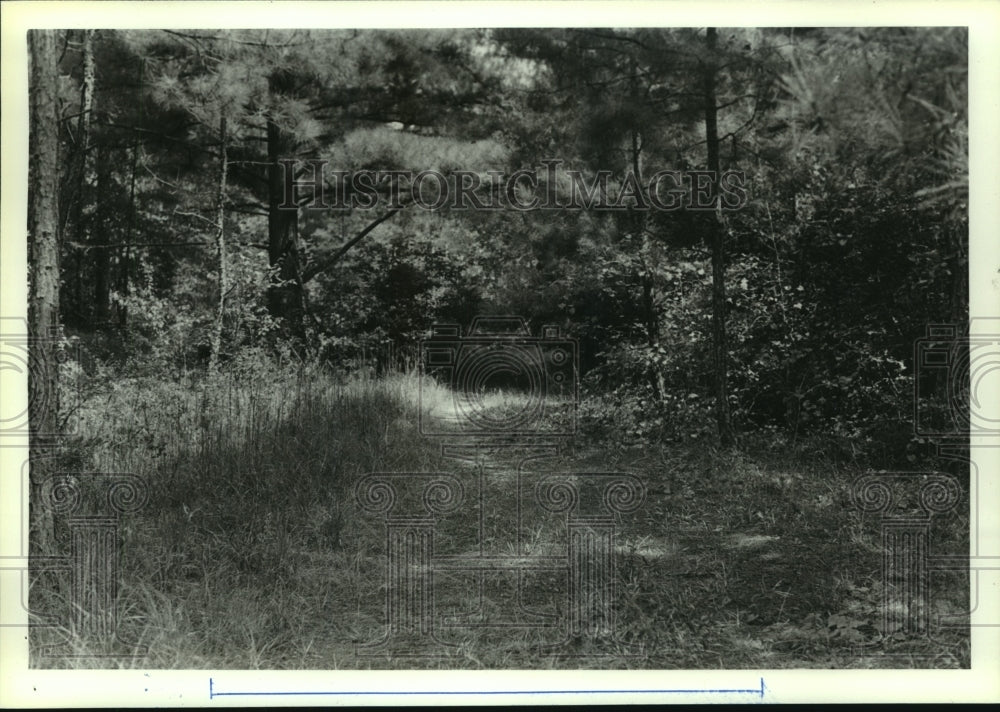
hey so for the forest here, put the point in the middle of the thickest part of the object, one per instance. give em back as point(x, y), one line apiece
point(245, 246)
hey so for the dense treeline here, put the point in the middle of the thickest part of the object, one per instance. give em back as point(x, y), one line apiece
point(188, 237)
point(244, 235)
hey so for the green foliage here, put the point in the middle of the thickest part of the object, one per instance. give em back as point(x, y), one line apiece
point(388, 294)
point(854, 238)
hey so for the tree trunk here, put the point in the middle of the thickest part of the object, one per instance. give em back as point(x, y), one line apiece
point(220, 246)
point(125, 255)
point(285, 294)
point(100, 234)
point(43, 267)
point(650, 317)
point(652, 322)
point(959, 275)
point(84, 165)
point(73, 225)
point(727, 435)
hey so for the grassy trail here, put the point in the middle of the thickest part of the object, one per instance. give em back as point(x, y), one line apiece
point(253, 551)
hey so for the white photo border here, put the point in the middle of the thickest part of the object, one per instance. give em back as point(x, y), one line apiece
point(21, 686)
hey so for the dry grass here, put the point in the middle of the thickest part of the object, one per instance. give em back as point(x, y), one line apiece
point(252, 553)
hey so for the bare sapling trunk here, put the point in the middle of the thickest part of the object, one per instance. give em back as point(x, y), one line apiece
point(220, 248)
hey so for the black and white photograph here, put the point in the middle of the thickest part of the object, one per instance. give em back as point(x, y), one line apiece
point(582, 345)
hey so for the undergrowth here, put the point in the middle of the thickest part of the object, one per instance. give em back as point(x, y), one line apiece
point(251, 551)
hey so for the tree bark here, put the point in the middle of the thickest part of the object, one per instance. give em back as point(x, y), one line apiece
point(73, 226)
point(652, 322)
point(74, 195)
point(100, 234)
point(285, 293)
point(220, 247)
point(723, 416)
point(43, 269)
point(650, 317)
point(125, 259)
point(322, 265)
point(959, 274)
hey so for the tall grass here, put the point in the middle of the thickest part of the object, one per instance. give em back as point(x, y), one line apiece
point(250, 477)
point(251, 552)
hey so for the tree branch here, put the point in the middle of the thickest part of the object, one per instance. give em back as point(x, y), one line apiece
point(330, 261)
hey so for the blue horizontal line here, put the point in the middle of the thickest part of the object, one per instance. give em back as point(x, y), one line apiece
point(481, 692)
point(212, 693)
